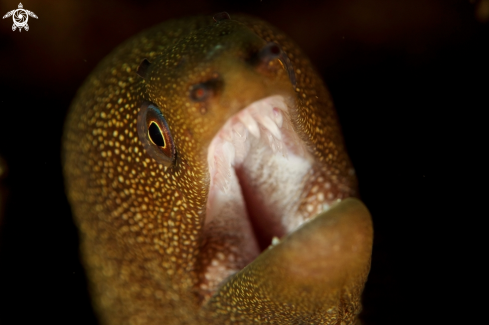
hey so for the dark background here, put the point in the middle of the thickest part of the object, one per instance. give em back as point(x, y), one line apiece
point(410, 83)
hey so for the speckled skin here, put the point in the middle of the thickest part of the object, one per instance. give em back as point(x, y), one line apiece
point(141, 223)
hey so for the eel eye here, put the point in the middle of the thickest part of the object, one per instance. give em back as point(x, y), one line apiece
point(200, 92)
point(154, 134)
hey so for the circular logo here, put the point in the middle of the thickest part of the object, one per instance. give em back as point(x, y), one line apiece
point(20, 17)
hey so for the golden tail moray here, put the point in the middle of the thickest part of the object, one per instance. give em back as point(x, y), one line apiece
point(208, 177)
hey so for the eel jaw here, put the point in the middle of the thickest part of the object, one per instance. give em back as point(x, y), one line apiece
point(264, 184)
point(315, 275)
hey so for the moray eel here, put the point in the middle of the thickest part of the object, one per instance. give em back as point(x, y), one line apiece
point(210, 184)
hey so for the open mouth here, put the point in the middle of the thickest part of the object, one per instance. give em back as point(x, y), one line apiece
point(264, 184)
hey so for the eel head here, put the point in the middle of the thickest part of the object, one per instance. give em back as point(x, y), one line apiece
point(215, 187)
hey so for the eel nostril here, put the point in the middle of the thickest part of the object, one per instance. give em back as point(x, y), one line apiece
point(143, 68)
point(269, 52)
point(221, 16)
point(204, 90)
point(272, 51)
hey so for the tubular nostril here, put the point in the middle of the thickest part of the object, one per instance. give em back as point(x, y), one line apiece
point(143, 68)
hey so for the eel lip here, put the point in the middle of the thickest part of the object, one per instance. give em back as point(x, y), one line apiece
point(324, 264)
point(264, 184)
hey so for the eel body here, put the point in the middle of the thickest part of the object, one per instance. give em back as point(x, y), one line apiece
point(209, 181)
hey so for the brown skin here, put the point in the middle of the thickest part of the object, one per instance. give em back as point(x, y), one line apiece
point(141, 223)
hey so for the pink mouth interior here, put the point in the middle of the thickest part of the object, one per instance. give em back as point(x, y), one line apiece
point(259, 171)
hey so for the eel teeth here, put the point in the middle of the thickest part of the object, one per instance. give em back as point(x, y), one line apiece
point(270, 126)
point(275, 241)
point(262, 119)
point(241, 145)
point(250, 123)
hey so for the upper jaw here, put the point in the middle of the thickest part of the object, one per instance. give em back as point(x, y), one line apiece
point(265, 123)
point(258, 141)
